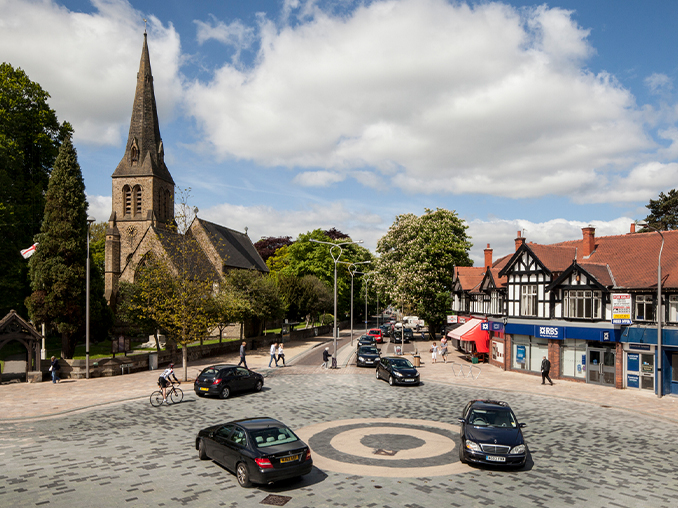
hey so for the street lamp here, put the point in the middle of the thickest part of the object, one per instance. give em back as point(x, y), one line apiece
point(352, 269)
point(367, 277)
point(90, 220)
point(659, 309)
point(335, 259)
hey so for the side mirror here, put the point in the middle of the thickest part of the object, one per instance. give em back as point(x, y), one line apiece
point(522, 425)
point(210, 435)
point(461, 420)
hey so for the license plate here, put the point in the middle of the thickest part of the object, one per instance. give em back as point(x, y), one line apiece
point(409, 380)
point(204, 389)
point(289, 459)
point(492, 458)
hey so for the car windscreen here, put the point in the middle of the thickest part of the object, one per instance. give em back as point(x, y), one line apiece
point(401, 363)
point(209, 373)
point(368, 351)
point(272, 436)
point(375, 332)
point(502, 418)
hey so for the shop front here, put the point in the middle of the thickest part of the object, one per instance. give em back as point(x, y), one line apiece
point(639, 366)
point(641, 360)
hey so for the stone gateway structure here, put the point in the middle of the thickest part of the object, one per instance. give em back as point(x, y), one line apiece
point(143, 203)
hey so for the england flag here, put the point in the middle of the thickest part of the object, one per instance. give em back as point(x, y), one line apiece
point(26, 253)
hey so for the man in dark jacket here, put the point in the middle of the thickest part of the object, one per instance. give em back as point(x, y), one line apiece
point(326, 357)
point(242, 361)
point(545, 368)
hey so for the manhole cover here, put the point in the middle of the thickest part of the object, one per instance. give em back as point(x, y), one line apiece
point(275, 500)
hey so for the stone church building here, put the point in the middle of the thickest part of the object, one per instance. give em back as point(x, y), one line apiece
point(142, 219)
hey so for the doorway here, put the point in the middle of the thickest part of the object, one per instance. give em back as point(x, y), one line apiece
point(600, 366)
point(674, 372)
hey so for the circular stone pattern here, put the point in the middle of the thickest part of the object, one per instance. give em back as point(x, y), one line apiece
point(390, 447)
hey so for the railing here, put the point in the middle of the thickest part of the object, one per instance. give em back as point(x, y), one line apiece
point(466, 370)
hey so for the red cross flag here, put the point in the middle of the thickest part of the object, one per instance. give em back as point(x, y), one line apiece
point(26, 253)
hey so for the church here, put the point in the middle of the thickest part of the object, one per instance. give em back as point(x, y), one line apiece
point(142, 219)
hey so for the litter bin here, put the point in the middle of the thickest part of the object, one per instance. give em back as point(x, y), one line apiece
point(417, 360)
point(152, 361)
point(474, 359)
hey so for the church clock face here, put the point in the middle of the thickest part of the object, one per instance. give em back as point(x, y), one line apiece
point(131, 233)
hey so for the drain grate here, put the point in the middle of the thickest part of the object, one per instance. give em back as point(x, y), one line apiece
point(389, 453)
point(275, 500)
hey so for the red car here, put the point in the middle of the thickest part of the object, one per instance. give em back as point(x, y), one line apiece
point(376, 333)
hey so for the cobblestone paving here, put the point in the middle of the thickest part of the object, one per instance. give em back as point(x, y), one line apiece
point(135, 455)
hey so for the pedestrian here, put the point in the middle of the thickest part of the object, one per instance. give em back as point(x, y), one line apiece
point(273, 349)
point(443, 349)
point(281, 354)
point(242, 361)
point(54, 368)
point(326, 357)
point(434, 353)
point(545, 369)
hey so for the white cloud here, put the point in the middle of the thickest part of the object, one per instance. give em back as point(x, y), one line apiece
point(234, 34)
point(659, 83)
point(100, 207)
point(318, 178)
point(88, 62)
point(485, 99)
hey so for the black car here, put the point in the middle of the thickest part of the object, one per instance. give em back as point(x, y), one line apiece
point(366, 340)
point(257, 450)
point(397, 370)
point(222, 380)
point(385, 330)
point(367, 356)
point(490, 434)
point(404, 335)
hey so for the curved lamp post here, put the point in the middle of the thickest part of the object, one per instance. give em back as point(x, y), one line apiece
point(352, 269)
point(335, 258)
point(90, 220)
point(659, 310)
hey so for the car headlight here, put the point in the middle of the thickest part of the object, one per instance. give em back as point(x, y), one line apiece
point(471, 445)
point(518, 449)
point(361, 359)
point(398, 374)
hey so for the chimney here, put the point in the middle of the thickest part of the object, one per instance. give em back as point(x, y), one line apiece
point(488, 256)
point(633, 227)
point(589, 241)
point(519, 241)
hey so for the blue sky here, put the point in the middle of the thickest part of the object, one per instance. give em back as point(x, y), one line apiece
point(283, 116)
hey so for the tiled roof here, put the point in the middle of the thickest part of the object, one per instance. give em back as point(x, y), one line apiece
point(600, 272)
point(469, 276)
point(235, 249)
point(554, 257)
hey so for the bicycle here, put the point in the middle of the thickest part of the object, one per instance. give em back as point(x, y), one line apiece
point(174, 396)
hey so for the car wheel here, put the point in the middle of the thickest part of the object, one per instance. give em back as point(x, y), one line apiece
point(377, 373)
point(462, 459)
point(390, 380)
point(202, 454)
point(225, 392)
point(243, 475)
point(258, 386)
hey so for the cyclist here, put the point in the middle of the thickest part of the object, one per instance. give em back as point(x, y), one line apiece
point(164, 380)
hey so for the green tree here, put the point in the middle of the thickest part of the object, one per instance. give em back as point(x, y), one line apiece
point(418, 256)
point(230, 306)
point(30, 135)
point(260, 291)
point(97, 245)
point(663, 211)
point(57, 269)
point(305, 296)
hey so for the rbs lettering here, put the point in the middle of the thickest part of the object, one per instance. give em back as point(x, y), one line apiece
point(548, 331)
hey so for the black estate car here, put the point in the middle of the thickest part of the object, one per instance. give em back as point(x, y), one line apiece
point(402, 334)
point(397, 370)
point(366, 340)
point(367, 356)
point(490, 434)
point(257, 450)
point(222, 380)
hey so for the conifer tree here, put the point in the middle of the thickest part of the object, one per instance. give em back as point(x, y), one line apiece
point(57, 269)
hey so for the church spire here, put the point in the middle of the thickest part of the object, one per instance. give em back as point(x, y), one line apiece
point(144, 152)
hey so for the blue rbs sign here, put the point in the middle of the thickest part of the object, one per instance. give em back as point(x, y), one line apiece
point(548, 332)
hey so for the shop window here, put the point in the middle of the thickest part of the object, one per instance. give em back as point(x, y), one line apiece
point(573, 358)
point(644, 308)
point(583, 304)
point(528, 300)
point(673, 308)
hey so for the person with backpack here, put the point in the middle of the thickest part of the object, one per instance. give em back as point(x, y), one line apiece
point(54, 368)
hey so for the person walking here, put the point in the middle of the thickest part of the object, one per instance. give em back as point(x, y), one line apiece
point(273, 349)
point(54, 368)
point(545, 369)
point(443, 349)
point(434, 353)
point(281, 354)
point(326, 357)
point(242, 361)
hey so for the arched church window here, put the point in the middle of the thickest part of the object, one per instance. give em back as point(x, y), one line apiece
point(127, 199)
point(137, 200)
point(134, 152)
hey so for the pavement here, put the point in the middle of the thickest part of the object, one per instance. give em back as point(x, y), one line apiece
point(31, 401)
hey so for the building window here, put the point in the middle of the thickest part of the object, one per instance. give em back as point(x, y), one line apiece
point(528, 300)
point(582, 304)
point(573, 358)
point(644, 308)
point(127, 197)
point(497, 303)
point(137, 199)
point(527, 352)
point(673, 308)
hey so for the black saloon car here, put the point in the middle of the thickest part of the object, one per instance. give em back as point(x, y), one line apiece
point(385, 330)
point(222, 380)
point(400, 334)
point(367, 356)
point(490, 434)
point(397, 370)
point(366, 340)
point(257, 450)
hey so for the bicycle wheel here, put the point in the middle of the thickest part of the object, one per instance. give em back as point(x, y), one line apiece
point(176, 396)
point(156, 398)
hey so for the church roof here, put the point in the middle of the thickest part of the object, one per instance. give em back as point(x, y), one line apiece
point(235, 249)
point(144, 152)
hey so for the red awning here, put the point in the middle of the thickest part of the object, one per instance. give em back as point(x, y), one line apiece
point(480, 337)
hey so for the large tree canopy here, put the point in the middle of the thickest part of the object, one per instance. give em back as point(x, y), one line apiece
point(663, 211)
point(30, 135)
point(418, 256)
point(266, 247)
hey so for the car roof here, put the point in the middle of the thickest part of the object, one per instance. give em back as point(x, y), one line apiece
point(394, 357)
point(220, 366)
point(258, 423)
point(489, 404)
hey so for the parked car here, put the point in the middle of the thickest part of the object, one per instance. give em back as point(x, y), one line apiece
point(402, 334)
point(491, 434)
point(366, 340)
point(376, 333)
point(257, 450)
point(222, 380)
point(385, 330)
point(397, 370)
point(367, 356)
